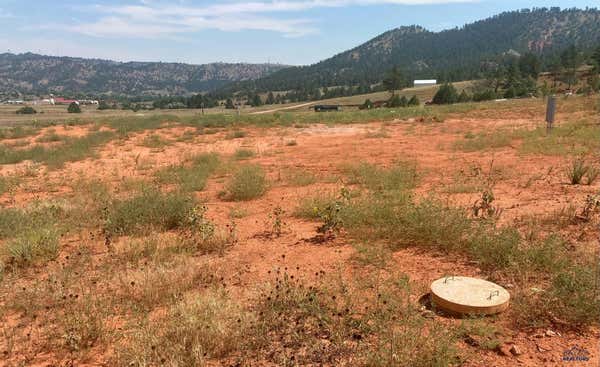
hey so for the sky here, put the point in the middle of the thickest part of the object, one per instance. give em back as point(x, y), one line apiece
point(292, 32)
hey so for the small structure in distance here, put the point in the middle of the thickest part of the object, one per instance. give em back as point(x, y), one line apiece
point(424, 83)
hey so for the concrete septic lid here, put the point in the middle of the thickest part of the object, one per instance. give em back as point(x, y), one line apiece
point(464, 295)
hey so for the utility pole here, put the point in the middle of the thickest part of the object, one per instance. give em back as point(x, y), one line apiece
point(550, 113)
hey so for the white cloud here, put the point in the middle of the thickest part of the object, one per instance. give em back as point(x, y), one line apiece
point(152, 19)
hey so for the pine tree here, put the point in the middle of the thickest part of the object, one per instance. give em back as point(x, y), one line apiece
point(414, 101)
point(447, 94)
point(256, 101)
point(270, 98)
point(596, 59)
point(229, 104)
point(463, 97)
point(394, 80)
point(403, 101)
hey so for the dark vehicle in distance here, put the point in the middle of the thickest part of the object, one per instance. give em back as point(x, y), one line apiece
point(325, 107)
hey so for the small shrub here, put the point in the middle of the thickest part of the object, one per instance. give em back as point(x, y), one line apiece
point(483, 208)
point(203, 235)
point(577, 171)
point(247, 183)
point(278, 223)
point(27, 110)
point(291, 143)
point(331, 215)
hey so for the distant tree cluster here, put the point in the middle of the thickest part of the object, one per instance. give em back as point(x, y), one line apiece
point(27, 110)
point(402, 101)
point(195, 101)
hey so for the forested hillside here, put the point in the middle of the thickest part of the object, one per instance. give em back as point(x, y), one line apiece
point(455, 54)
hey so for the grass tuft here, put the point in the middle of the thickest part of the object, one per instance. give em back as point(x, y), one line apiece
point(194, 330)
point(35, 245)
point(149, 210)
point(241, 154)
point(191, 175)
point(249, 182)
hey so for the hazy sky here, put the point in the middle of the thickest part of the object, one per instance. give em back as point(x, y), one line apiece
point(200, 31)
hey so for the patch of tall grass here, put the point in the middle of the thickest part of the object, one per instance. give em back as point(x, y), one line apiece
point(191, 175)
point(248, 182)
point(397, 219)
point(73, 149)
point(148, 210)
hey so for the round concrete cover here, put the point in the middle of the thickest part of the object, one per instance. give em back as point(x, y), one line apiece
point(464, 295)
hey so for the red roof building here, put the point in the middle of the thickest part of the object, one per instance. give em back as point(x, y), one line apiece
point(61, 100)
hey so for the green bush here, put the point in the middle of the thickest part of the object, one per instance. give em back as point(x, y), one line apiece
point(149, 210)
point(74, 108)
point(447, 94)
point(248, 183)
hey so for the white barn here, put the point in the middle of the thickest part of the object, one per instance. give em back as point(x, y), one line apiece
point(425, 83)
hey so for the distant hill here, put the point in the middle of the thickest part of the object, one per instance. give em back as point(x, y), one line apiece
point(34, 74)
point(455, 54)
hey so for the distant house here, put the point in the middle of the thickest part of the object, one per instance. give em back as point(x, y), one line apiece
point(425, 83)
point(61, 100)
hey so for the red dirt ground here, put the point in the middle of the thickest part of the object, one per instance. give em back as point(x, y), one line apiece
point(323, 151)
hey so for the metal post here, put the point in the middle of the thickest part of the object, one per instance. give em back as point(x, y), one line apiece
point(550, 113)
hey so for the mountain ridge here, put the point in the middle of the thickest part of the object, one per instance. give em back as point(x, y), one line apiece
point(42, 74)
point(452, 54)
